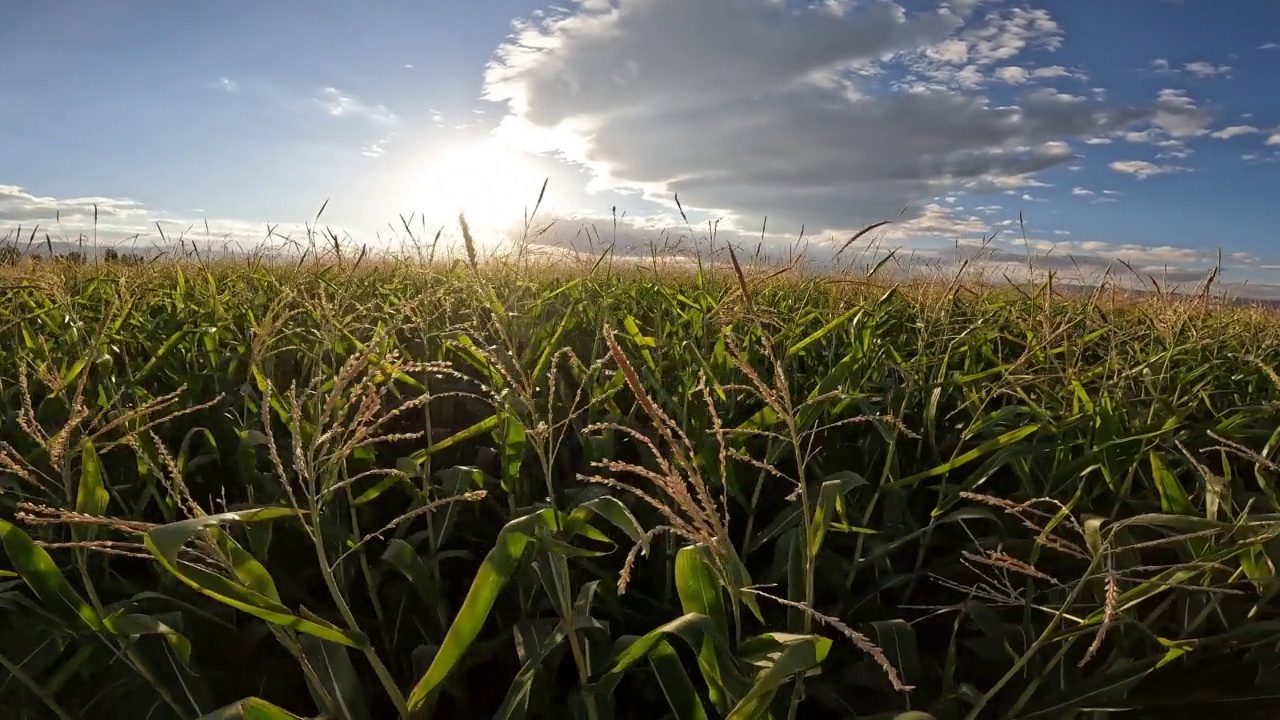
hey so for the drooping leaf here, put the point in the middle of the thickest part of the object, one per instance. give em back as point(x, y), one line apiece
point(498, 567)
point(166, 541)
point(798, 657)
point(43, 577)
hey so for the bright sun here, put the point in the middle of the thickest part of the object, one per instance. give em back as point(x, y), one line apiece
point(489, 182)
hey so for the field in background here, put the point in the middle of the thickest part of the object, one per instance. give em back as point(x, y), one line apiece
point(359, 489)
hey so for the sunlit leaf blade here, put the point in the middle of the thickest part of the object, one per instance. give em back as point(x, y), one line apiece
point(798, 657)
point(166, 541)
point(44, 578)
point(498, 567)
point(251, 709)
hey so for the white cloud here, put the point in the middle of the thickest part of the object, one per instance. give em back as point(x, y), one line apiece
point(1054, 71)
point(123, 222)
point(226, 83)
point(379, 148)
point(753, 107)
point(1141, 169)
point(1097, 141)
point(1227, 133)
point(339, 104)
point(1269, 46)
point(1085, 192)
point(18, 206)
point(1179, 116)
point(1013, 75)
point(1274, 139)
point(1016, 75)
point(1203, 70)
point(1200, 69)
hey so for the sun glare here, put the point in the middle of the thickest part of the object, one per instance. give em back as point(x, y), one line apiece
point(492, 184)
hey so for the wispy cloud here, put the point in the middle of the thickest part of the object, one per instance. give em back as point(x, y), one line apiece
point(1017, 75)
point(1201, 69)
point(1227, 133)
point(1082, 192)
point(19, 206)
point(379, 148)
point(340, 104)
point(1141, 169)
point(226, 83)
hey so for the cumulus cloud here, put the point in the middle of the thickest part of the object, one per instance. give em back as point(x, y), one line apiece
point(1179, 116)
point(1141, 169)
point(836, 115)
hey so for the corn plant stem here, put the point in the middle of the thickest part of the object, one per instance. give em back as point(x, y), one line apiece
point(379, 669)
point(570, 615)
point(1040, 641)
point(129, 655)
point(575, 647)
point(82, 568)
point(1034, 684)
point(36, 689)
point(1212, 605)
point(370, 581)
point(810, 558)
point(755, 499)
point(860, 542)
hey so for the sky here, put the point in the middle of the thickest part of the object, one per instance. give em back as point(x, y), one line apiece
point(1145, 130)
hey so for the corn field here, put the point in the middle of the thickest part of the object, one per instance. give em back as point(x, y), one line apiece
point(368, 489)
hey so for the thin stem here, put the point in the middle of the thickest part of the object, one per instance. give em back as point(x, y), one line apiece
point(384, 676)
point(35, 687)
point(1035, 646)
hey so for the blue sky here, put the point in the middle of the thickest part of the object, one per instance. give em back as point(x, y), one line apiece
point(1147, 130)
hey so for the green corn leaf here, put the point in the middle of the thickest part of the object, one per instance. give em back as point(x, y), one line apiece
point(690, 627)
point(675, 683)
point(166, 541)
point(251, 709)
point(480, 428)
point(41, 574)
point(1173, 499)
point(498, 567)
point(799, 657)
point(340, 689)
point(91, 493)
